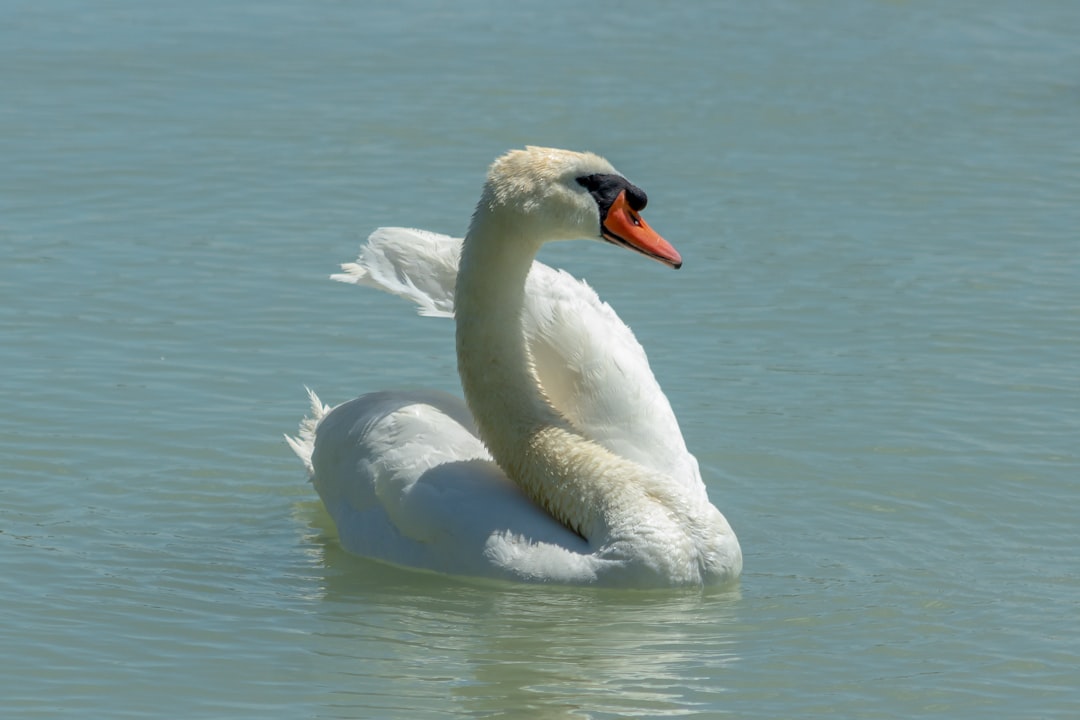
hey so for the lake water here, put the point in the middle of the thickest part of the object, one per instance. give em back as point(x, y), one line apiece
point(873, 349)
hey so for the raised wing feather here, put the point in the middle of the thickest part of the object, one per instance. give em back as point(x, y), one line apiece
point(589, 362)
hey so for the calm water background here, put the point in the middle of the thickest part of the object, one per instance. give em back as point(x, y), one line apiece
point(873, 349)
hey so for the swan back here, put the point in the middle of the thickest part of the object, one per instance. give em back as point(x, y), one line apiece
point(590, 364)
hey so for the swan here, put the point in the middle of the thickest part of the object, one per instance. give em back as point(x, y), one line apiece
point(565, 464)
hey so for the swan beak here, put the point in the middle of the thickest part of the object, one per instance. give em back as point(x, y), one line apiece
point(622, 225)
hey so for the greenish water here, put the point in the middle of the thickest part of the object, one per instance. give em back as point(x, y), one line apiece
point(872, 348)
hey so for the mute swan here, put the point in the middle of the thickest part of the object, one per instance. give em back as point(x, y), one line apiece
point(567, 464)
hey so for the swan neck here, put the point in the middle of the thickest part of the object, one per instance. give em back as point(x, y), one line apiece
point(493, 356)
point(530, 440)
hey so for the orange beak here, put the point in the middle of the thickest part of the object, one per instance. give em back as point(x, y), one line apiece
point(623, 226)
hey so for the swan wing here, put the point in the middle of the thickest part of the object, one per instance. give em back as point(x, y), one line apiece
point(417, 265)
point(407, 481)
point(597, 374)
point(589, 362)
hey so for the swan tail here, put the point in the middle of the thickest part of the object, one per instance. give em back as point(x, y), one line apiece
point(417, 265)
point(303, 444)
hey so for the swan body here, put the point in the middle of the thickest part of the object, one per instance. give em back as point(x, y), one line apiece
point(566, 464)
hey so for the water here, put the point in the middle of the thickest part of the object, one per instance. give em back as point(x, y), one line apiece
point(872, 349)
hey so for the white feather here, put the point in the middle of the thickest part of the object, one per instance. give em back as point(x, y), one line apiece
point(408, 479)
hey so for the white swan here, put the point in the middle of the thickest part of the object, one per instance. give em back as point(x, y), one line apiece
point(570, 467)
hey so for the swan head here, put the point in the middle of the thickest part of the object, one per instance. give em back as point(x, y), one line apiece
point(546, 194)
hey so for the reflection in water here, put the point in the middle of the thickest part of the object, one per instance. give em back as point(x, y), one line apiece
point(409, 640)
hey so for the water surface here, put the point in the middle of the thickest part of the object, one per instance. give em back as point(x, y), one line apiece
point(871, 348)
